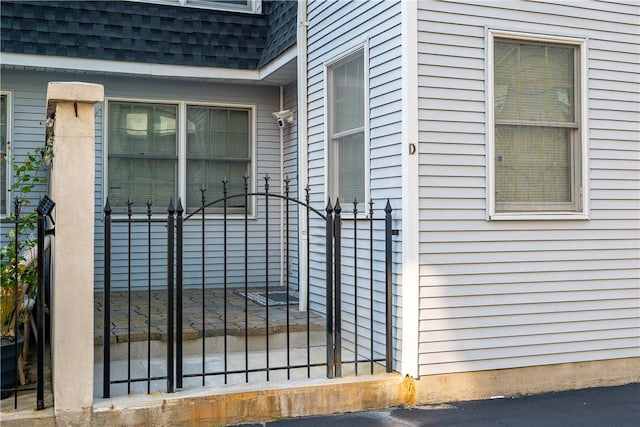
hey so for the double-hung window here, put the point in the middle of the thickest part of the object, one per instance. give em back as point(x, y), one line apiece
point(347, 129)
point(537, 141)
point(4, 167)
point(148, 162)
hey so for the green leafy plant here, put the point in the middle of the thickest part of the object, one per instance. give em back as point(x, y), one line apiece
point(18, 278)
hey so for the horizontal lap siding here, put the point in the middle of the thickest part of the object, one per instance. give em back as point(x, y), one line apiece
point(267, 162)
point(335, 28)
point(521, 293)
point(291, 172)
point(28, 115)
point(29, 94)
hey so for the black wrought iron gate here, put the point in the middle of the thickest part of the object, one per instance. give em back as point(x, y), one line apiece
point(356, 262)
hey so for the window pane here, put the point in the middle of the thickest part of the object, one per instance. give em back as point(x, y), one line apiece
point(346, 114)
point(141, 180)
point(349, 157)
point(534, 82)
point(533, 164)
point(142, 129)
point(142, 154)
point(217, 132)
point(210, 173)
point(218, 146)
point(4, 136)
point(348, 95)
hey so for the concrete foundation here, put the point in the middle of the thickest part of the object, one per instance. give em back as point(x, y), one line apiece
point(253, 403)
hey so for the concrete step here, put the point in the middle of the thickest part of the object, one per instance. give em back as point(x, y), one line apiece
point(214, 344)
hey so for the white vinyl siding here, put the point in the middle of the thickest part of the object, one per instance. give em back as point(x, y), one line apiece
point(290, 164)
point(504, 294)
point(335, 30)
point(28, 89)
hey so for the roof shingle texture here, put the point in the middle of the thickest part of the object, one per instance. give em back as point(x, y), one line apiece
point(147, 32)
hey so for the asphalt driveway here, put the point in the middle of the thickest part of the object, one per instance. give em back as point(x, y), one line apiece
point(598, 407)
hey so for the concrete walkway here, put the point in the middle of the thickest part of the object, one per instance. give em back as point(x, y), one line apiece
point(598, 407)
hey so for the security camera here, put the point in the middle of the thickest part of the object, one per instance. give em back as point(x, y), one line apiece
point(283, 117)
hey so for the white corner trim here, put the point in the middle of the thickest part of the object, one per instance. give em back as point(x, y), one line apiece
point(410, 286)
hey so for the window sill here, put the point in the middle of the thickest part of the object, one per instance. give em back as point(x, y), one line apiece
point(538, 216)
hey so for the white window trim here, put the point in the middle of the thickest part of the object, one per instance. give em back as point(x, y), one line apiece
point(583, 190)
point(347, 206)
point(255, 6)
point(182, 150)
point(8, 172)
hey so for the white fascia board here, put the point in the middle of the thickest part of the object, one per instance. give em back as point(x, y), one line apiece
point(124, 67)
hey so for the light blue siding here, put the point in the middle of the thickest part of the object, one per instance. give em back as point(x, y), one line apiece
point(29, 89)
point(334, 29)
point(503, 294)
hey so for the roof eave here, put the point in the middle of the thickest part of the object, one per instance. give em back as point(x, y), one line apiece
point(265, 74)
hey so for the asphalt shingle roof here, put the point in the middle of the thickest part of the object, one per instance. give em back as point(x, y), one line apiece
point(147, 32)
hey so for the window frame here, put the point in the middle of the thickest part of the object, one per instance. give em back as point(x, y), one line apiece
point(9, 171)
point(329, 168)
point(181, 150)
point(253, 6)
point(580, 167)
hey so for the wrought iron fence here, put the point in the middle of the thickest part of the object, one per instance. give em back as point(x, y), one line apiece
point(214, 243)
point(20, 299)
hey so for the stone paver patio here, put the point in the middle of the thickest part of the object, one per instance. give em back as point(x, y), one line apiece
point(155, 304)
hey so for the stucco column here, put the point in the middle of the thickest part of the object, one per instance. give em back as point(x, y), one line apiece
point(72, 189)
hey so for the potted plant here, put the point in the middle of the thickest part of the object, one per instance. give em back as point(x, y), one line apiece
point(18, 276)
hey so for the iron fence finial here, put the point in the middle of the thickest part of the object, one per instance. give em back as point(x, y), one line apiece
point(179, 208)
point(337, 208)
point(329, 208)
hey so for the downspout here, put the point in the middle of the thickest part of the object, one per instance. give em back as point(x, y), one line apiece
point(282, 281)
point(303, 179)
